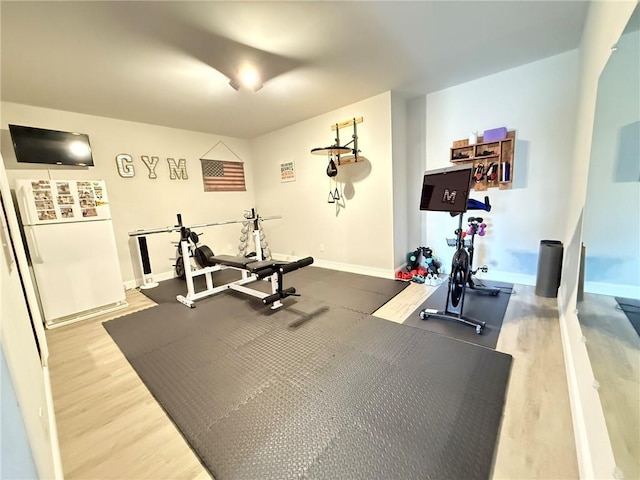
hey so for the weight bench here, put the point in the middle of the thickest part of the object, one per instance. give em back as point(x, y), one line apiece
point(251, 269)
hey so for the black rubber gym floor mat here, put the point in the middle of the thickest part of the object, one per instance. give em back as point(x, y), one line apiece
point(362, 293)
point(487, 308)
point(167, 290)
point(341, 395)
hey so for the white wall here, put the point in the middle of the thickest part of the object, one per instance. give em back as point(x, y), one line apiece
point(611, 227)
point(354, 234)
point(417, 154)
point(141, 202)
point(604, 25)
point(538, 101)
point(402, 181)
point(15, 450)
point(24, 346)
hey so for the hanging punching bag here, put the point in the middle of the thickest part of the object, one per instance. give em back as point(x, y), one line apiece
point(332, 170)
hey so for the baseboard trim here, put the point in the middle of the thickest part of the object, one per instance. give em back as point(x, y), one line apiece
point(613, 289)
point(498, 276)
point(94, 312)
point(593, 444)
point(156, 277)
point(585, 466)
point(343, 267)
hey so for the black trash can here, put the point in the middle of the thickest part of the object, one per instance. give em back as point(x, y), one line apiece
point(549, 268)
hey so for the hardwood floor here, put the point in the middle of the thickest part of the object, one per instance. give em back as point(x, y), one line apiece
point(110, 426)
point(536, 440)
point(614, 350)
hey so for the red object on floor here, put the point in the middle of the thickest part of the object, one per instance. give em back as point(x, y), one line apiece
point(402, 275)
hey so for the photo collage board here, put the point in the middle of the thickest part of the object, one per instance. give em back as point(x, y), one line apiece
point(58, 200)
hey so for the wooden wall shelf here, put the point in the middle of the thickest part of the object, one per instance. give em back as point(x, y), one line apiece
point(492, 162)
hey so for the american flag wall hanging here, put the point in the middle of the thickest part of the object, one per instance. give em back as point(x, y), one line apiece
point(223, 176)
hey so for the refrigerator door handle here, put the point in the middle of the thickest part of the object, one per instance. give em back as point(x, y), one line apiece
point(35, 252)
point(26, 211)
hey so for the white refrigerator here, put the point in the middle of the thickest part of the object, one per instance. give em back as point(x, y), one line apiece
point(72, 247)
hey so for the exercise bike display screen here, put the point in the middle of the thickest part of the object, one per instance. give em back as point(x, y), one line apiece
point(446, 189)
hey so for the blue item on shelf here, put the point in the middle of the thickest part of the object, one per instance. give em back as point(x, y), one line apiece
point(494, 135)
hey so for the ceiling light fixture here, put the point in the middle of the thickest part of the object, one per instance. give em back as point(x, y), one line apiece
point(247, 77)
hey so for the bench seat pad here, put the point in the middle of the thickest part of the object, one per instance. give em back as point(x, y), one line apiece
point(262, 265)
point(231, 261)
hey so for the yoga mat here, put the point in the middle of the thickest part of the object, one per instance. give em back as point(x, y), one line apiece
point(478, 305)
point(342, 395)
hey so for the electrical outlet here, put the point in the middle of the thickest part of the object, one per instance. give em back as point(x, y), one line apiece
point(228, 247)
point(322, 247)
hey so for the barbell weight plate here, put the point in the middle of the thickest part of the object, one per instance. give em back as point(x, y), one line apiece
point(179, 267)
point(202, 255)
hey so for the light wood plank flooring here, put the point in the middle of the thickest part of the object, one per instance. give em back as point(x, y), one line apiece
point(614, 350)
point(110, 426)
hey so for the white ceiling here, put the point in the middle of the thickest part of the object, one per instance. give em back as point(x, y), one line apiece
point(164, 63)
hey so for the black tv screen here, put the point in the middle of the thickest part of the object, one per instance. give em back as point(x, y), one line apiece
point(446, 189)
point(38, 145)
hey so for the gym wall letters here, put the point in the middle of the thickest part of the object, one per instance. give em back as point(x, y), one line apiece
point(124, 162)
point(223, 172)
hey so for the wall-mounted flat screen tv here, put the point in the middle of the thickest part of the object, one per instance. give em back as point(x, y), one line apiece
point(446, 189)
point(38, 145)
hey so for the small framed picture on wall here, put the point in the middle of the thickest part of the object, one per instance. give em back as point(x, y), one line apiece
point(287, 171)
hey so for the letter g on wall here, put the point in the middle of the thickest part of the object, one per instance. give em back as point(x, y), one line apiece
point(125, 167)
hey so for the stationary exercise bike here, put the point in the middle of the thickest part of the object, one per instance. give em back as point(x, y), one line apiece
point(448, 190)
point(477, 227)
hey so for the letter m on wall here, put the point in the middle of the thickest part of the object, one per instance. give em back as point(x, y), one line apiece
point(178, 170)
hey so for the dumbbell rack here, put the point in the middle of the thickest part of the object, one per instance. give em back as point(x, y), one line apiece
point(252, 227)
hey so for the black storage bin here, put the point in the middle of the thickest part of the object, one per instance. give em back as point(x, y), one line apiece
point(549, 268)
